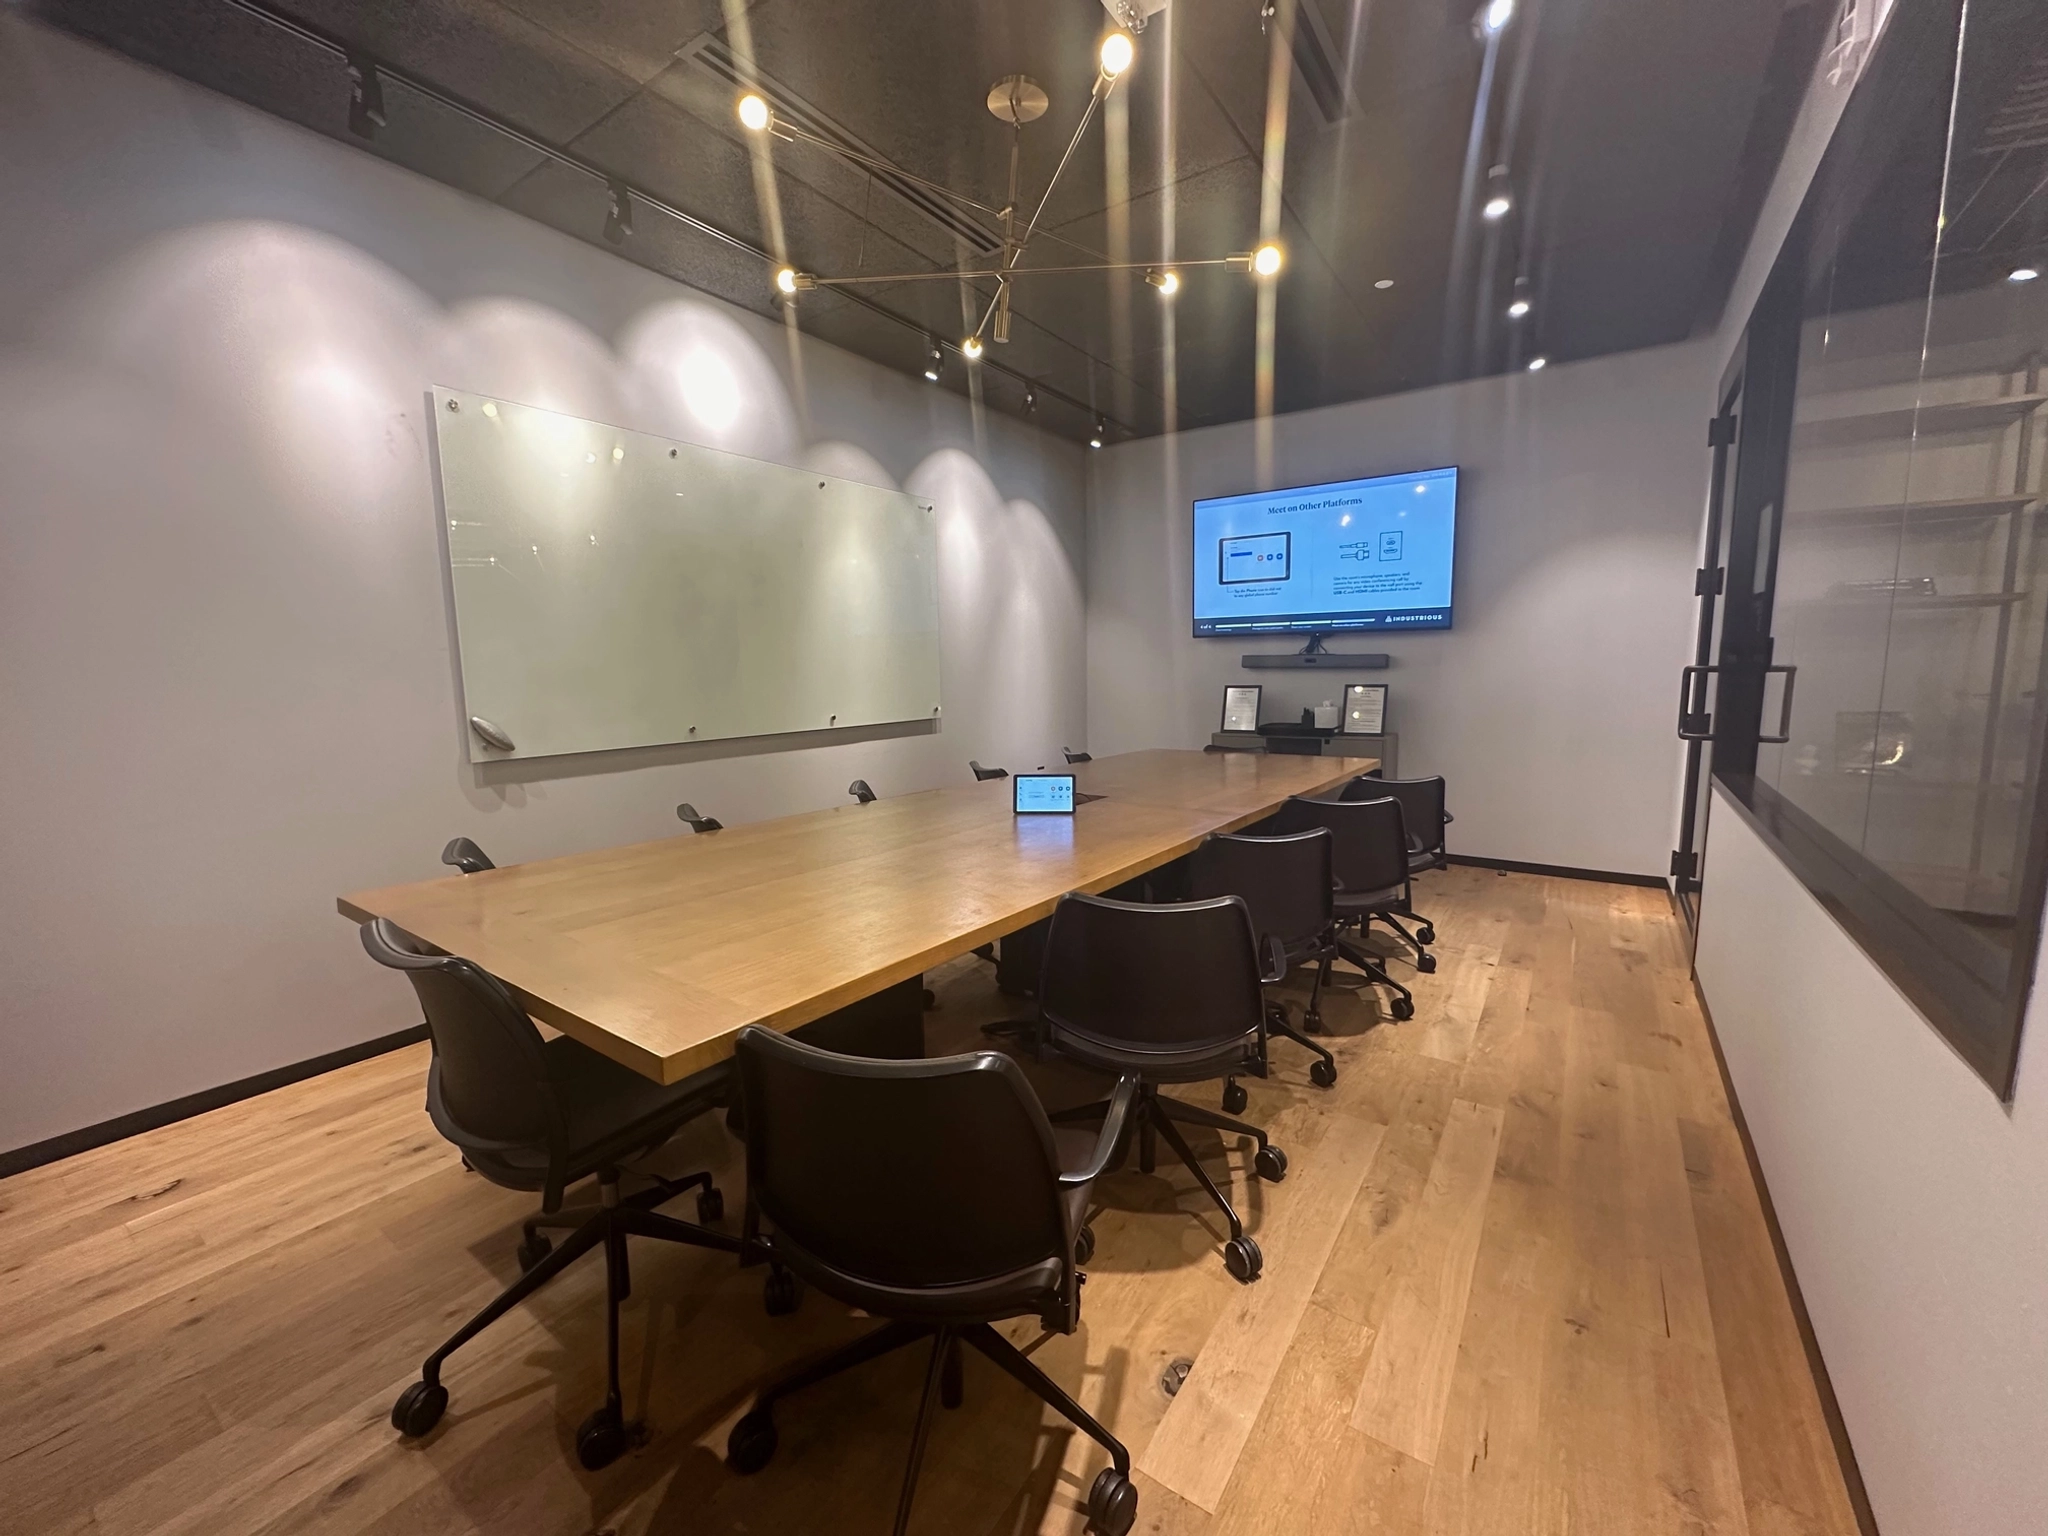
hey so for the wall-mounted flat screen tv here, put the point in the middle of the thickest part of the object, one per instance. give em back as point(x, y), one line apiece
point(1352, 554)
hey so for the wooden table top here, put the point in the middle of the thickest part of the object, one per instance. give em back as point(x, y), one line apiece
point(658, 953)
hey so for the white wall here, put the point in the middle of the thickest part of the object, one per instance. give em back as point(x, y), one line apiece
point(1550, 706)
point(228, 690)
point(1914, 1204)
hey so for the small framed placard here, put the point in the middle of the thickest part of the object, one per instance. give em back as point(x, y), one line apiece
point(1365, 709)
point(1241, 707)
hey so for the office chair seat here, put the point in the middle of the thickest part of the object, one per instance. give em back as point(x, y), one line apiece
point(1156, 1064)
point(609, 1112)
point(1029, 1291)
point(1354, 902)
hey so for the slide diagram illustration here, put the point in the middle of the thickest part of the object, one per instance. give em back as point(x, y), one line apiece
point(1253, 557)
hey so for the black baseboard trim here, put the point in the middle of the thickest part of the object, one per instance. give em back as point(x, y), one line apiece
point(121, 1127)
point(1558, 871)
point(1831, 1409)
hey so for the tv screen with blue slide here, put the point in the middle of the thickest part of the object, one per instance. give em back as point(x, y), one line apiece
point(1352, 554)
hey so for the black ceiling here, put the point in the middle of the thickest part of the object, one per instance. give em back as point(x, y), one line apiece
point(1640, 136)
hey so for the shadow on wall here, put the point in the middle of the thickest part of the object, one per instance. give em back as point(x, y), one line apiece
point(297, 365)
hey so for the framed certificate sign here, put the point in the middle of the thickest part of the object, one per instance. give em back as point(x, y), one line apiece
point(1241, 708)
point(1365, 709)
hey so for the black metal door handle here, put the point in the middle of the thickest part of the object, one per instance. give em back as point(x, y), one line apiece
point(1784, 709)
point(1694, 725)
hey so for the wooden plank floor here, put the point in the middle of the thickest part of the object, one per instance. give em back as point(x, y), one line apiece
point(1517, 1282)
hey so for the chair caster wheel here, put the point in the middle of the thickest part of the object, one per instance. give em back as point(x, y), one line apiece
point(1271, 1164)
point(1404, 1008)
point(1242, 1258)
point(1235, 1098)
point(710, 1204)
point(931, 1000)
point(1323, 1074)
point(1112, 1503)
point(1312, 1023)
point(1084, 1246)
point(601, 1439)
point(532, 1249)
point(419, 1408)
point(782, 1292)
point(1426, 934)
point(751, 1445)
point(1425, 964)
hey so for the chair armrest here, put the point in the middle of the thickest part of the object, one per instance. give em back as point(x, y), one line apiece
point(1112, 1134)
point(1276, 961)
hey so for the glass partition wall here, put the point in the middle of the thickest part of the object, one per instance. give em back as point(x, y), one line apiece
point(1902, 570)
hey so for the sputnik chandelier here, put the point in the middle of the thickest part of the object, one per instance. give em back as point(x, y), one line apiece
point(1016, 101)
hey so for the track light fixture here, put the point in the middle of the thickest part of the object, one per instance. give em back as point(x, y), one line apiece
point(2022, 274)
point(365, 97)
point(1030, 399)
point(1095, 437)
point(1499, 197)
point(1538, 363)
point(1518, 306)
point(1494, 17)
point(971, 348)
point(790, 281)
point(1266, 261)
point(618, 222)
point(754, 114)
point(934, 359)
point(1167, 281)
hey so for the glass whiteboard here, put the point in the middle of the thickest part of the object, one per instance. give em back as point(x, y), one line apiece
point(614, 589)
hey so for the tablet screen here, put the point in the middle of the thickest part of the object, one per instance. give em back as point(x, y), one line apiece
point(1041, 794)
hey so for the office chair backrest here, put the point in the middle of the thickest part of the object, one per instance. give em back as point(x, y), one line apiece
point(687, 813)
point(981, 774)
point(466, 856)
point(1151, 975)
point(914, 1174)
point(491, 1079)
point(1076, 757)
point(1422, 806)
point(1285, 881)
point(1368, 839)
point(860, 791)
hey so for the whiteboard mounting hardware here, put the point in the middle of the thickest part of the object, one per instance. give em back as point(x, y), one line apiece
point(490, 735)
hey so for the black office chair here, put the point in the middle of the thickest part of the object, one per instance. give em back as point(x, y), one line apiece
point(1287, 884)
point(860, 792)
point(1369, 855)
point(1076, 757)
point(687, 813)
point(464, 855)
point(1422, 810)
point(931, 1194)
point(983, 775)
point(541, 1115)
point(1167, 993)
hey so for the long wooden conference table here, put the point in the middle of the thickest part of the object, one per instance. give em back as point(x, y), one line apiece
point(658, 953)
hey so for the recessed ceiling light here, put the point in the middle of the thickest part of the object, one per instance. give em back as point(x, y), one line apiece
point(1385, 282)
point(1538, 364)
point(1518, 309)
point(1496, 206)
point(754, 113)
point(2022, 274)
